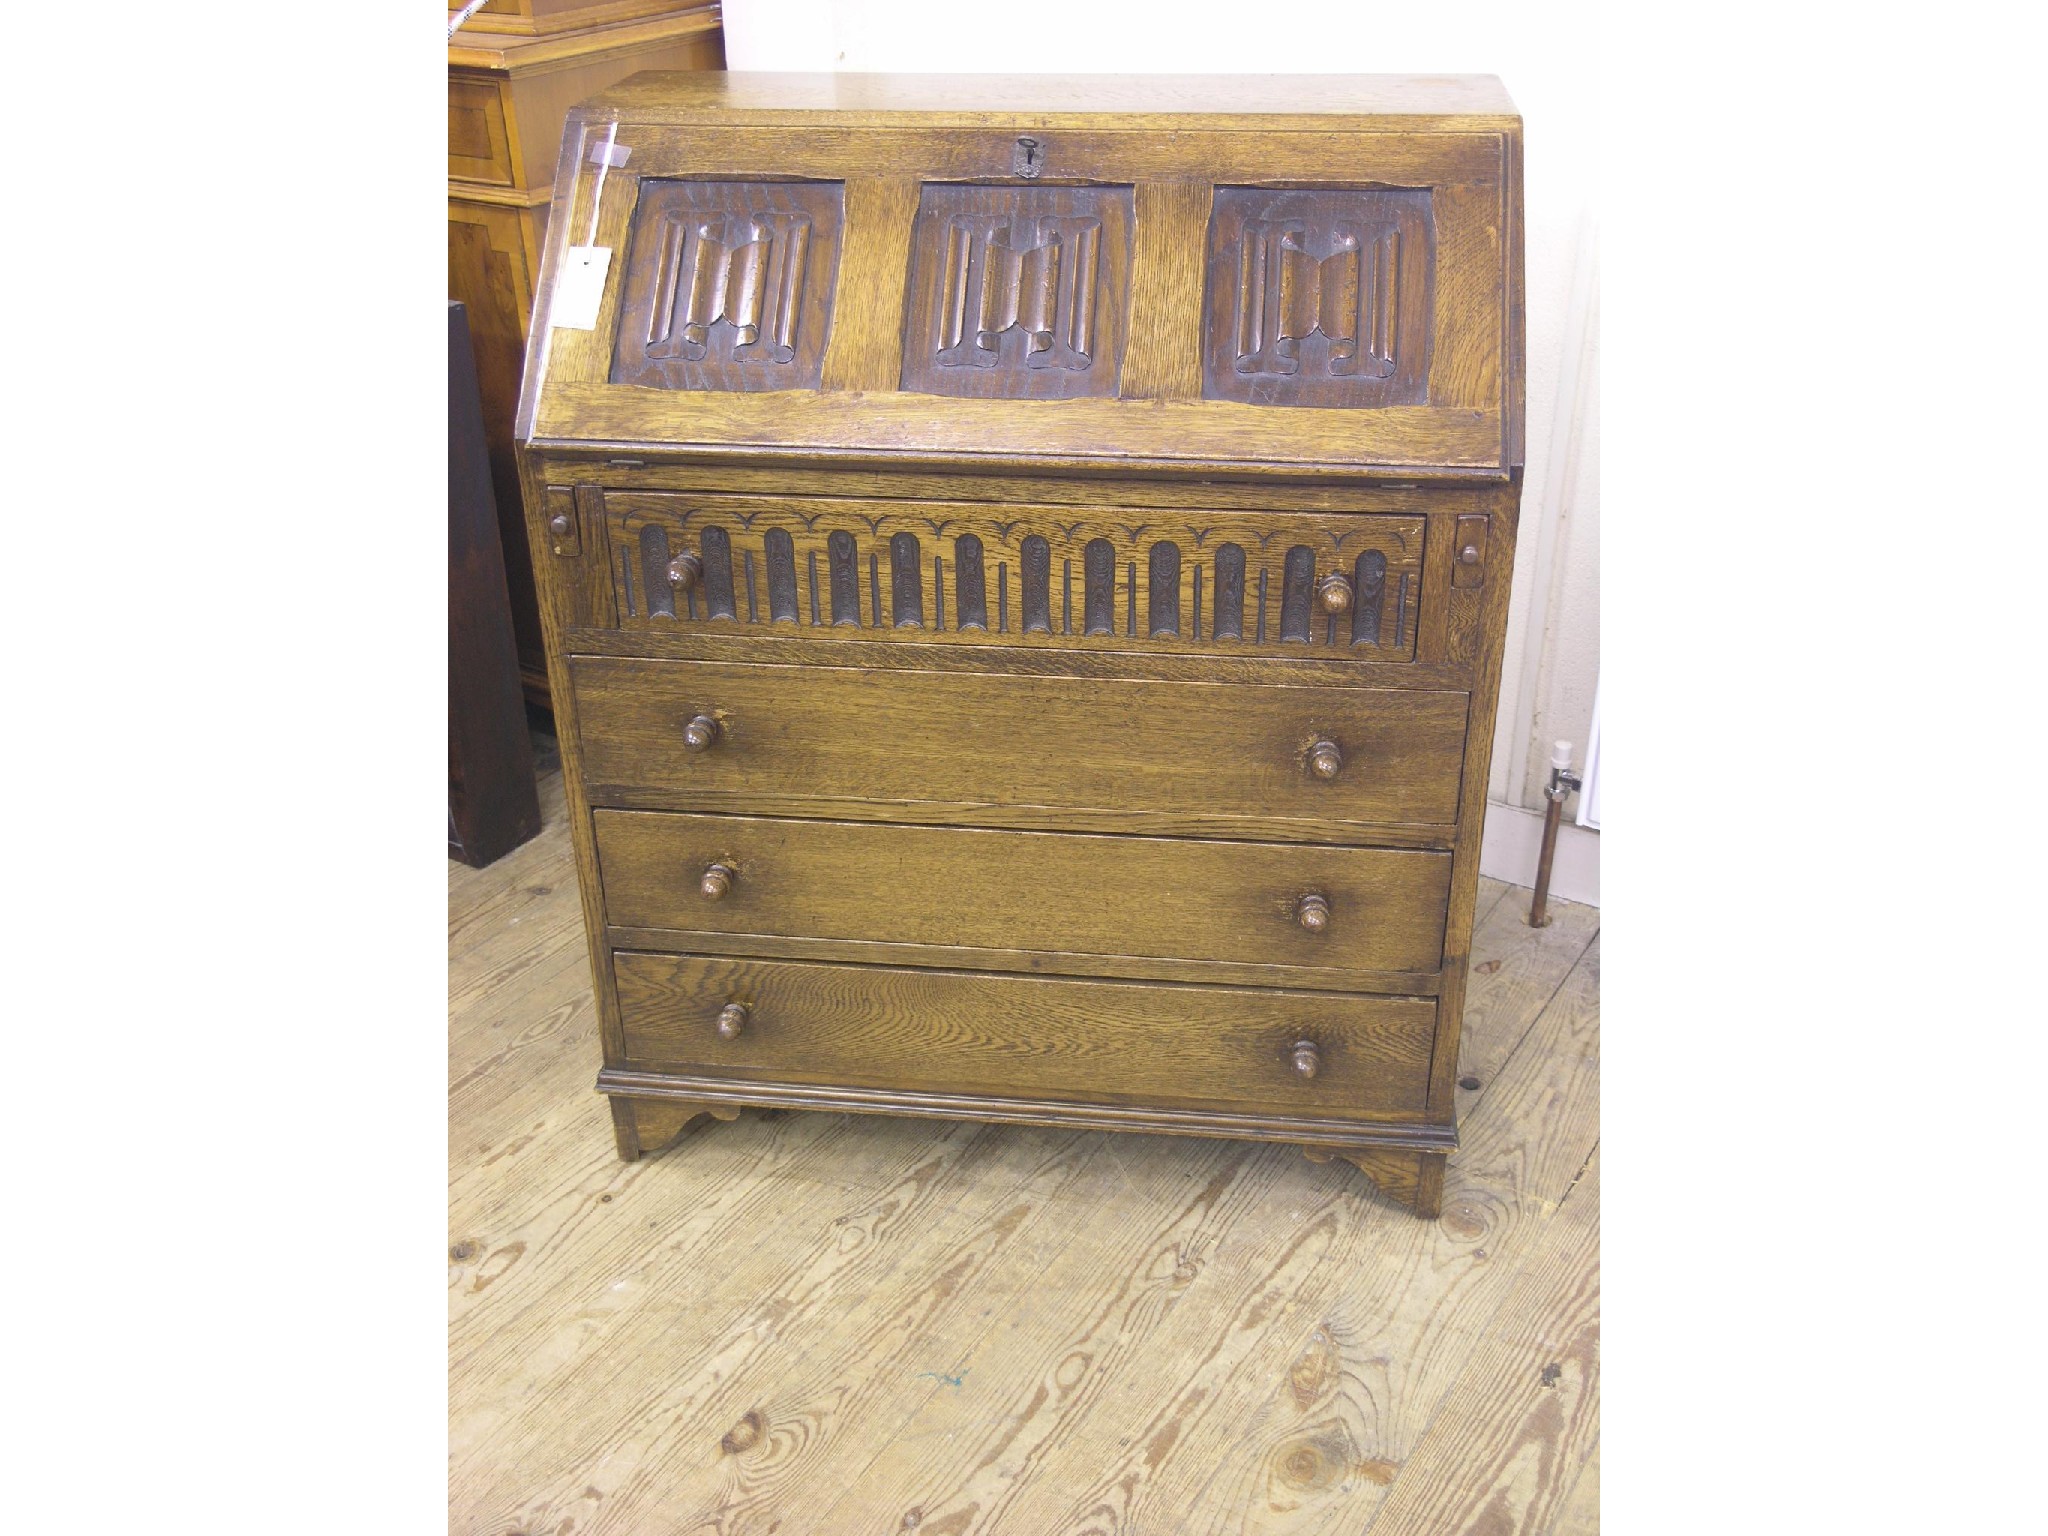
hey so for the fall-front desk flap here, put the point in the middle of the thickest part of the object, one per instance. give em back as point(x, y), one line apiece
point(1203, 274)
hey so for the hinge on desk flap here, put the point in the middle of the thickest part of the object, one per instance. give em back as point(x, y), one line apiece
point(1468, 551)
point(565, 532)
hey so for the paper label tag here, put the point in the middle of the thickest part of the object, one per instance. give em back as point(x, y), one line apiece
point(579, 287)
point(610, 155)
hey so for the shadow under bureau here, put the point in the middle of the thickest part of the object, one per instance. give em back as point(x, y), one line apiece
point(1025, 564)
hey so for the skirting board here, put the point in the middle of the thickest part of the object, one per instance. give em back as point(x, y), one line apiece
point(1514, 839)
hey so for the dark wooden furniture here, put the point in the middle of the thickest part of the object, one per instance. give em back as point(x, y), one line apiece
point(514, 70)
point(493, 801)
point(1025, 568)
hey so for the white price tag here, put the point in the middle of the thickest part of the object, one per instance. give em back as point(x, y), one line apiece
point(579, 287)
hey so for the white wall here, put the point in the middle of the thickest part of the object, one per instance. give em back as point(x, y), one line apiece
point(1547, 56)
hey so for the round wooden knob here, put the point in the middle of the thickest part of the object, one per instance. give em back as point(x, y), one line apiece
point(700, 733)
point(718, 879)
point(1324, 759)
point(559, 525)
point(685, 571)
point(1313, 912)
point(1469, 555)
point(1335, 593)
point(1308, 1061)
point(732, 1018)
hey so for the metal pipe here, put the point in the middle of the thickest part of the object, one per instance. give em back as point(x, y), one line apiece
point(1562, 783)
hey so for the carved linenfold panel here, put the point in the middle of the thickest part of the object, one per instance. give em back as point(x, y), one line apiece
point(1369, 580)
point(652, 548)
point(1162, 599)
point(717, 554)
point(1183, 581)
point(906, 581)
point(781, 554)
point(729, 285)
point(1037, 568)
point(744, 271)
point(1229, 621)
point(1299, 575)
point(1319, 298)
point(1033, 283)
point(1286, 297)
point(1018, 292)
point(1098, 565)
point(844, 564)
point(972, 587)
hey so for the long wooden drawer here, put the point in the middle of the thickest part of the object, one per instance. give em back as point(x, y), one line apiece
point(1204, 752)
point(1250, 1049)
point(1052, 892)
point(1101, 578)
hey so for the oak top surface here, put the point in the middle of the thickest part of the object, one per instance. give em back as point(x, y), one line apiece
point(1448, 102)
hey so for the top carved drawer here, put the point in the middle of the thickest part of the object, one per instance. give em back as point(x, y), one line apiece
point(1112, 578)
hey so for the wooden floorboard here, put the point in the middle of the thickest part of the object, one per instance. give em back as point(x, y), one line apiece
point(1581, 1513)
point(824, 1323)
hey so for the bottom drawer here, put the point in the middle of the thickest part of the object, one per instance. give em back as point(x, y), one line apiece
point(1101, 1042)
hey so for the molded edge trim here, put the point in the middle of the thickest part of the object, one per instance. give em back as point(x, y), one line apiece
point(1411, 1136)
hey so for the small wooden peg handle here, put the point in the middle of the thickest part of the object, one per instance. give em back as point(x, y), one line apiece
point(1308, 1060)
point(1324, 759)
point(1313, 912)
point(1335, 592)
point(718, 879)
point(732, 1018)
point(700, 733)
point(685, 571)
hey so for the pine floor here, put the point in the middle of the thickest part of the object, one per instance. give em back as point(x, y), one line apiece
point(828, 1323)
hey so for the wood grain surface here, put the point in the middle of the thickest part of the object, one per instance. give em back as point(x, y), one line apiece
point(1191, 437)
point(825, 1323)
point(961, 887)
point(948, 1032)
point(831, 734)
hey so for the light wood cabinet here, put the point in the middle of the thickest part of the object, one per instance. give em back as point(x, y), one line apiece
point(514, 70)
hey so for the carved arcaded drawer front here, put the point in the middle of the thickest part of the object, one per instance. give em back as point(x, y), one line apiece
point(479, 149)
point(1204, 583)
point(692, 734)
point(1055, 893)
point(1298, 1053)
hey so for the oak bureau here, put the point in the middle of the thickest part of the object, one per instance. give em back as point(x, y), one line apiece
point(1024, 567)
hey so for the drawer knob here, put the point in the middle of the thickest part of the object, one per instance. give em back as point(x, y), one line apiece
point(685, 571)
point(732, 1018)
point(1324, 759)
point(718, 879)
point(1335, 593)
point(559, 525)
point(700, 733)
point(1308, 1060)
point(1469, 555)
point(1312, 912)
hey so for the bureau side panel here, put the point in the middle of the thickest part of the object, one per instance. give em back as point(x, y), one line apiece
point(559, 564)
point(1477, 620)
